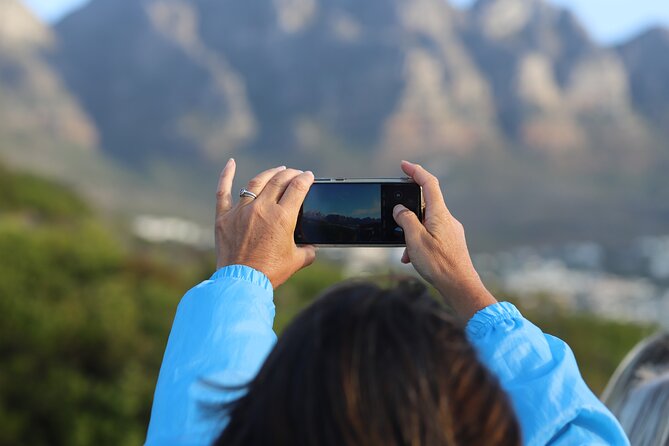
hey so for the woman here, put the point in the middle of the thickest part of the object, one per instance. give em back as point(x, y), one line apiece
point(362, 366)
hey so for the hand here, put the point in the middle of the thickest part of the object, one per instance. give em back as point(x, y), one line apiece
point(259, 232)
point(438, 250)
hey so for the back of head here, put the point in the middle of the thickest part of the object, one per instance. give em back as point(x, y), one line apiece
point(365, 365)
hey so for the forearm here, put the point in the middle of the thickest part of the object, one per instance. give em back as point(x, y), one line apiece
point(221, 334)
point(541, 377)
point(467, 296)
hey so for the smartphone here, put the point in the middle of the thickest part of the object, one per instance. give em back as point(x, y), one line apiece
point(356, 212)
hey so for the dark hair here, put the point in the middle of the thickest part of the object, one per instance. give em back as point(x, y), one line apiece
point(366, 365)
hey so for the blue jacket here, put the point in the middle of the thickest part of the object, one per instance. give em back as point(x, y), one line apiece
point(222, 333)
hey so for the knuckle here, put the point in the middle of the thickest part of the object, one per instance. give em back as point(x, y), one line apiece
point(255, 184)
point(405, 213)
point(300, 184)
point(276, 181)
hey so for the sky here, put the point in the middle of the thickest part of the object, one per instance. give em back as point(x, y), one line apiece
point(351, 200)
point(609, 21)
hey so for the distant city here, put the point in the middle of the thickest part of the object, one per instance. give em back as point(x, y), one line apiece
point(629, 282)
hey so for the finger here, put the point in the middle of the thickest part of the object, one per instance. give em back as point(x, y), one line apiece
point(434, 199)
point(296, 192)
point(258, 183)
point(307, 255)
point(409, 222)
point(405, 257)
point(277, 185)
point(224, 190)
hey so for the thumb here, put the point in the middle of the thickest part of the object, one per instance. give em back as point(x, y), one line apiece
point(407, 220)
point(405, 257)
point(306, 255)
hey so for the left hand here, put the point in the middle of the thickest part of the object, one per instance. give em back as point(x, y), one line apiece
point(259, 232)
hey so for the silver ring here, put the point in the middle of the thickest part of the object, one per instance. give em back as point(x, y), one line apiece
point(247, 193)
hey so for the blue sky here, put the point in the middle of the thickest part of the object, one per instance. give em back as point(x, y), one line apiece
point(610, 21)
point(351, 200)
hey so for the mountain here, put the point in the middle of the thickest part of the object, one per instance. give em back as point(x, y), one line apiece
point(510, 101)
point(39, 117)
point(200, 80)
point(555, 89)
point(208, 78)
point(647, 62)
point(153, 88)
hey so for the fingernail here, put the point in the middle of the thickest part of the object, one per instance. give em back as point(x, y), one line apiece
point(397, 209)
point(408, 162)
point(280, 168)
point(309, 172)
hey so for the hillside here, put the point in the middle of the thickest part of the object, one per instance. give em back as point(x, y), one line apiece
point(648, 74)
point(36, 107)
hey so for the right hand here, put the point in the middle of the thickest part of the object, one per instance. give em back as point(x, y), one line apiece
point(437, 248)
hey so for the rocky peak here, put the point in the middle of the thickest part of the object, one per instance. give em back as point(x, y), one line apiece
point(499, 19)
point(654, 40)
point(19, 28)
point(646, 59)
point(546, 72)
point(531, 25)
point(38, 115)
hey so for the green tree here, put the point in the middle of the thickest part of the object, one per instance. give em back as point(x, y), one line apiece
point(83, 322)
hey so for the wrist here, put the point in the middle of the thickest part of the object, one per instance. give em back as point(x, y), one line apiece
point(245, 273)
point(467, 297)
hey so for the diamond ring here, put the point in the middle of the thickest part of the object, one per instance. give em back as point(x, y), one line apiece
point(247, 193)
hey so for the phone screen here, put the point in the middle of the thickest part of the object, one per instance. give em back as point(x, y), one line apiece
point(354, 213)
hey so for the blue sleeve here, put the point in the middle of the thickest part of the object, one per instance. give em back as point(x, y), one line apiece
point(222, 333)
point(539, 373)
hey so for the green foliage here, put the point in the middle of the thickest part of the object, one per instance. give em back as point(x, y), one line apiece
point(40, 198)
point(83, 323)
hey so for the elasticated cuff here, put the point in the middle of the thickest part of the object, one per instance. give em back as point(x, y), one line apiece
point(484, 320)
point(243, 272)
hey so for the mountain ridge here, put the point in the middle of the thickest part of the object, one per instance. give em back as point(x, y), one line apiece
point(36, 106)
point(510, 92)
point(390, 76)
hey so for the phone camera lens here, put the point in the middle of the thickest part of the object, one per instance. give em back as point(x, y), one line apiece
point(398, 195)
